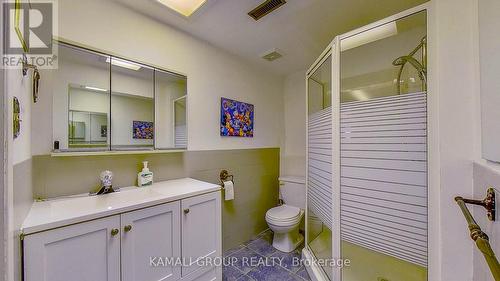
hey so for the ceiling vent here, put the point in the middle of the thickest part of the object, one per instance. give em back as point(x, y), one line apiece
point(266, 8)
point(272, 55)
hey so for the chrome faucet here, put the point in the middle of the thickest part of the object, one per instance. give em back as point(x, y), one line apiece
point(106, 178)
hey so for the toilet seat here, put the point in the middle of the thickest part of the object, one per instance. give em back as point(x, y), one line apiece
point(284, 215)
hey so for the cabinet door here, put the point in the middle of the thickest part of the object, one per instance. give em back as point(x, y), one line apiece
point(201, 230)
point(150, 239)
point(80, 252)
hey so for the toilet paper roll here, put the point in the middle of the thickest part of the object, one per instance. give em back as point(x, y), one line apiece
point(229, 190)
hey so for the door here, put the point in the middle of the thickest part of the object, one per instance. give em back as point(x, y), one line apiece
point(151, 243)
point(383, 151)
point(319, 164)
point(201, 231)
point(80, 252)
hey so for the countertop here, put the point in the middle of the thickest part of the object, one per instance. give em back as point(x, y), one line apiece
point(65, 211)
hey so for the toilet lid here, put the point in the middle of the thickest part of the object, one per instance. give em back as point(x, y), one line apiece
point(283, 212)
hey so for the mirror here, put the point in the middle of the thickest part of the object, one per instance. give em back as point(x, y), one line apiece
point(132, 106)
point(81, 100)
point(170, 99)
point(88, 129)
point(180, 126)
point(103, 103)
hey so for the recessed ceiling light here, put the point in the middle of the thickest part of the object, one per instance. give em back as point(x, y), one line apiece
point(124, 64)
point(95, 89)
point(183, 7)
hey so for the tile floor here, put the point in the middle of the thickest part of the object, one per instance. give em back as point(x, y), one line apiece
point(257, 260)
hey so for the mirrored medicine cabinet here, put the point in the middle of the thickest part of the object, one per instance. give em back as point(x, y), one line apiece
point(106, 103)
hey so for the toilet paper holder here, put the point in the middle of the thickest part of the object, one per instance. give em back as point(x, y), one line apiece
point(224, 176)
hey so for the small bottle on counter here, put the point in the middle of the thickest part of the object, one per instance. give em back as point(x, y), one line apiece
point(145, 177)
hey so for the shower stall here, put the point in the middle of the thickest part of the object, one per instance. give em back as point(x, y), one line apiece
point(367, 138)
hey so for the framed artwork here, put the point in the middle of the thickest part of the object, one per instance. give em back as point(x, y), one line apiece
point(142, 130)
point(236, 118)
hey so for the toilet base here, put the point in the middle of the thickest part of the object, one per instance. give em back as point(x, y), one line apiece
point(287, 242)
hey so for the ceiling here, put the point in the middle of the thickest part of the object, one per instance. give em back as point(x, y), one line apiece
point(300, 29)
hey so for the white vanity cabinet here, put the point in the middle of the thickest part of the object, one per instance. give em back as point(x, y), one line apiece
point(84, 251)
point(201, 233)
point(148, 235)
point(132, 245)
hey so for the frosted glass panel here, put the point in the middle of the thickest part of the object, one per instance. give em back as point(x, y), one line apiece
point(319, 171)
point(383, 163)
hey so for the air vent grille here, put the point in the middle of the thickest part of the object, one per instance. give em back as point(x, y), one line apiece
point(272, 55)
point(266, 8)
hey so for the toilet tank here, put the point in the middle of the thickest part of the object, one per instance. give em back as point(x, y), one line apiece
point(293, 191)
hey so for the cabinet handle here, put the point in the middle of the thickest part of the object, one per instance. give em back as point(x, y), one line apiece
point(127, 228)
point(186, 211)
point(115, 231)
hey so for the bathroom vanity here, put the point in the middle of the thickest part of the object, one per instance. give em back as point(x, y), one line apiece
point(129, 235)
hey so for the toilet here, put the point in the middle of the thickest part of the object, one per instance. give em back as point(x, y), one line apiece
point(284, 220)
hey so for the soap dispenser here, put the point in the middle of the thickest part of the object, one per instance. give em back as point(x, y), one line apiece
point(145, 177)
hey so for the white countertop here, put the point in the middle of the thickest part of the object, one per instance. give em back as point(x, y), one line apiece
point(61, 212)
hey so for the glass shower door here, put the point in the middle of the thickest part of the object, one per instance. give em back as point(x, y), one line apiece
point(383, 148)
point(319, 164)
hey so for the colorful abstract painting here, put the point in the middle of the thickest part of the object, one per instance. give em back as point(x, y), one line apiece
point(236, 118)
point(142, 130)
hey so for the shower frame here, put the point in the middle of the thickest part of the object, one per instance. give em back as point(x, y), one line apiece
point(333, 49)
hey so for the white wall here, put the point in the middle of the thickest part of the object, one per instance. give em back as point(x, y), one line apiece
point(3, 165)
point(455, 87)
point(489, 43)
point(19, 193)
point(20, 87)
point(211, 72)
point(293, 154)
point(486, 173)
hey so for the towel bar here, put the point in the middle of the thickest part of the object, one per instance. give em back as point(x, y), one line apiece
point(479, 237)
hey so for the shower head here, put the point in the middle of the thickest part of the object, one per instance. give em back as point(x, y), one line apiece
point(401, 61)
